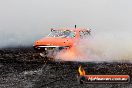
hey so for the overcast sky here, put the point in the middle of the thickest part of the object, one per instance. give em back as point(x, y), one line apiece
point(24, 21)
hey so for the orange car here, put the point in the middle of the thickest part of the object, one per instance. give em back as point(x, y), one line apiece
point(59, 39)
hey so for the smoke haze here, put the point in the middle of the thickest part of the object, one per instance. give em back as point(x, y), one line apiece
point(101, 47)
point(107, 47)
point(24, 21)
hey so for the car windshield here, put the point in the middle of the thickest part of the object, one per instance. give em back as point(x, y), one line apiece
point(62, 33)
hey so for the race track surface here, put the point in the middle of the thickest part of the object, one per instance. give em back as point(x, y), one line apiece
point(23, 68)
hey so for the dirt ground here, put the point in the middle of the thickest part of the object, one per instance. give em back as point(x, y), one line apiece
point(23, 68)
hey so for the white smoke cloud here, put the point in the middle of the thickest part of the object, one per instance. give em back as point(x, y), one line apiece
point(24, 21)
point(104, 46)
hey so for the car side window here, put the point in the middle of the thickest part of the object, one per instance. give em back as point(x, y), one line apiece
point(72, 34)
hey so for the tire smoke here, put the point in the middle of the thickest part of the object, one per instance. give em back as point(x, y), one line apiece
point(101, 47)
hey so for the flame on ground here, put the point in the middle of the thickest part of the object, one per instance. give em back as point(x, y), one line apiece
point(81, 71)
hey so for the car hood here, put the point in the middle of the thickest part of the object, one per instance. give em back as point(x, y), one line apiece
point(49, 41)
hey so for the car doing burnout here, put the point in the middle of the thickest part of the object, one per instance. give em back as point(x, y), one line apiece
point(59, 39)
